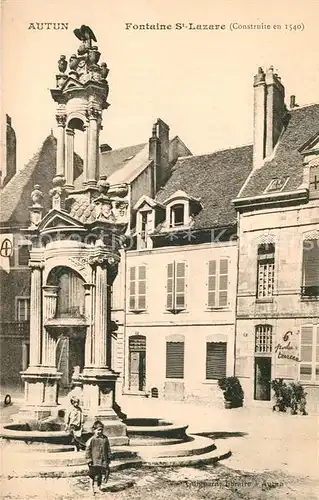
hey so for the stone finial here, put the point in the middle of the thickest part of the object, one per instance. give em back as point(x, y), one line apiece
point(58, 193)
point(104, 70)
point(62, 64)
point(36, 208)
point(36, 196)
point(102, 185)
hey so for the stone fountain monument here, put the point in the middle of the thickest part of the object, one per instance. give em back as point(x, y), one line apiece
point(75, 251)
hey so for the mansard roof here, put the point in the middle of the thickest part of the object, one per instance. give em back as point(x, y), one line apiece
point(16, 195)
point(213, 179)
point(286, 160)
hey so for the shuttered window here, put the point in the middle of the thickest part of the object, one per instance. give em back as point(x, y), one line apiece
point(216, 355)
point(265, 270)
point(218, 283)
point(137, 295)
point(176, 285)
point(174, 359)
point(23, 308)
point(309, 353)
point(310, 268)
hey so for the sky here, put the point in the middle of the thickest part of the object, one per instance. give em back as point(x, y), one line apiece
point(198, 81)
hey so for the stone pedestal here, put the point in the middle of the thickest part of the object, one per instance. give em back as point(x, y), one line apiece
point(98, 389)
point(41, 391)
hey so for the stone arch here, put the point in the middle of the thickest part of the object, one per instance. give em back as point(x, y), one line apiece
point(71, 293)
point(81, 268)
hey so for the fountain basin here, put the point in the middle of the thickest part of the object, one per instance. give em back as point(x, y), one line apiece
point(148, 428)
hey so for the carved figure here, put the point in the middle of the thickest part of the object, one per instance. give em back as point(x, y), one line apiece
point(73, 62)
point(62, 64)
point(86, 35)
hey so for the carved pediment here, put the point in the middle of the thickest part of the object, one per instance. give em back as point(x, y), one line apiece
point(56, 219)
point(146, 203)
point(71, 84)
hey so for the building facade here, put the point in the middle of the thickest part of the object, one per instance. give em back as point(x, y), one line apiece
point(278, 207)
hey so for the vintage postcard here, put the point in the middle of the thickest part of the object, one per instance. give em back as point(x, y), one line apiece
point(159, 249)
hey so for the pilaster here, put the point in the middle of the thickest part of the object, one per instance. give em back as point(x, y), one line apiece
point(69, 156)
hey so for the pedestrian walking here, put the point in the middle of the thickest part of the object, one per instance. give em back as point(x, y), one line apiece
point(74, 423)
point(98, 455)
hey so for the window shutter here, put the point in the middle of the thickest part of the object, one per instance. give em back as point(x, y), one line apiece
point(212, 283)
point(174, 359)
point(311, 263)
point(170, 286)
point(306, 348)
point(141, 292)
point(132, 287)
point(223, 283)
point(180, 286)
point(216, 356)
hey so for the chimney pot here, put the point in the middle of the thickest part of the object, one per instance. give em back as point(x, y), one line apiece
point(104, 148)
point(293, 103)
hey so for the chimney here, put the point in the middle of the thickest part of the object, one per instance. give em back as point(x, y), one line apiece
point(10, 152)
point(269, 113)
point(159, 153)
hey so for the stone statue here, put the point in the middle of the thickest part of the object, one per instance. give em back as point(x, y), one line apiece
point(86, 35)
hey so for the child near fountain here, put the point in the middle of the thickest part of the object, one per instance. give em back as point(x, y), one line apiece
point(74, 423)
point(98, 454)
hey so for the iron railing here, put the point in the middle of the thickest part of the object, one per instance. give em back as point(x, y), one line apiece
point(15, 329)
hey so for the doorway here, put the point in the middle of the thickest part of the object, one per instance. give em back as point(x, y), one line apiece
point(69, 354)
point(137, 363)
point(262, 387)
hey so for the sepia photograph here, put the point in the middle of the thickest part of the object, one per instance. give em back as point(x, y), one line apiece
point(159, 250)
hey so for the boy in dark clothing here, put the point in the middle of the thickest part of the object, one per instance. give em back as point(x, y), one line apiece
point(98, 454)
point(74, 423)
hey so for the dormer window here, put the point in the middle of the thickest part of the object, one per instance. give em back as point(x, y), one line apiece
point(276, 184)
point(177, 215)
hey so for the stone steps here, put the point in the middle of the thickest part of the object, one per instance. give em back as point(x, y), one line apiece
point(200, 450)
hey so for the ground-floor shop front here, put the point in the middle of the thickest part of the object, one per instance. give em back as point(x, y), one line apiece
point(286, 348)
point(178, 362)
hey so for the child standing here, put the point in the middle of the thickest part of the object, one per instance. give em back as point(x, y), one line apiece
point(98, 454)
point(74, 422)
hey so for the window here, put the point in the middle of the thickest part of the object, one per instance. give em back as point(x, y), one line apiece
point(218, 283)
point(23, 255)
point(175, 359)
point(177, 215)
point(263, 339)
point(314, 180)
point(309, 353)
point(216, 355)
point(137, 288)
point(176, 285)
point(23, 308)
point(310, 286)
point(265, 270)
point(143, 222)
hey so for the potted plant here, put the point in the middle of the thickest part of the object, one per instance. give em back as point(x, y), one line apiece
point(298, 399)
point(282, 395)
point(232, 390)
